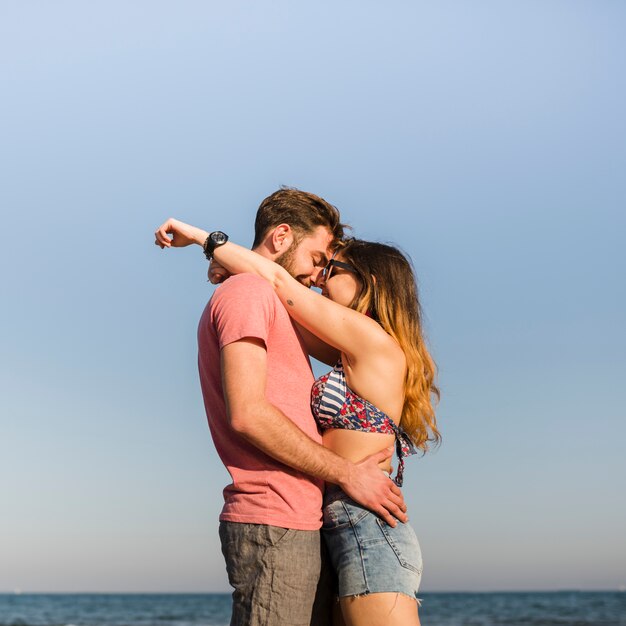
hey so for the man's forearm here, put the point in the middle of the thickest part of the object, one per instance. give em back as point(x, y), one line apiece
point(275, 434)
point(270, 430)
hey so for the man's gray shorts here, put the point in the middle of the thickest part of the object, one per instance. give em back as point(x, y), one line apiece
point(275, 573)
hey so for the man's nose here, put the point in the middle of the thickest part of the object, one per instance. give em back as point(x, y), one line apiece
point(318, 276)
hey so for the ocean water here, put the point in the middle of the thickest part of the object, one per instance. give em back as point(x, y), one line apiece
point(439, 609)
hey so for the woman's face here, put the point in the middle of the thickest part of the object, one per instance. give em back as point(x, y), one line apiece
point(340, 282)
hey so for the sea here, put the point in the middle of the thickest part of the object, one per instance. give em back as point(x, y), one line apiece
point(564, 608)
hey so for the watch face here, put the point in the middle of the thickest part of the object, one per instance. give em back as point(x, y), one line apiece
point(219, 238)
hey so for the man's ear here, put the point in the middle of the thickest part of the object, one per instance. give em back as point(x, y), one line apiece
point(281, 239)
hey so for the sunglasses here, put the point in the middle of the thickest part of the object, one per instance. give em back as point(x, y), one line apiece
point(326, 272)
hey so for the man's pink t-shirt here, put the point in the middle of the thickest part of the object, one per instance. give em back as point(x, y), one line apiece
point(263, 491)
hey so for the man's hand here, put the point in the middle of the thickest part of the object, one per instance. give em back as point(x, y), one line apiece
point(370, 486)
point(217, 273)
point(181, 234)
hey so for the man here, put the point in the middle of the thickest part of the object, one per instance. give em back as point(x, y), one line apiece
point(256, 380)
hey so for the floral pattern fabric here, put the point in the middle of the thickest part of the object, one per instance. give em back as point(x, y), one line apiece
point(335, 405)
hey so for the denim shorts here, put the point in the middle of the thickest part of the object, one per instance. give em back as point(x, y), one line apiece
point(367, 554)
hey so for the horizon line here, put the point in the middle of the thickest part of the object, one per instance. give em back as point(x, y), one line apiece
point(19, 592)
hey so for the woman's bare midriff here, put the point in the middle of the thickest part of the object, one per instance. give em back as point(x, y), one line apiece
point(356, 445)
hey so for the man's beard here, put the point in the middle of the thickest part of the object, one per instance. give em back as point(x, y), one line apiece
point(286, 260)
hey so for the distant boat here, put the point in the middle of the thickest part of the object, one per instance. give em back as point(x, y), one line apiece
point(17, 591)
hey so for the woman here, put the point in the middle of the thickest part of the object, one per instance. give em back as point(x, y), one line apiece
point(377, 395)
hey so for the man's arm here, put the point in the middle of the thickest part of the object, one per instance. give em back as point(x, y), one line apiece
point(244, 371)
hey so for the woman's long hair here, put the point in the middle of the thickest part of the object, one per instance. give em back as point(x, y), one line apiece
point(389, 295)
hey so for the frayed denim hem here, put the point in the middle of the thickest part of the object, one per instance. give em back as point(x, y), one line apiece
point(370, 593)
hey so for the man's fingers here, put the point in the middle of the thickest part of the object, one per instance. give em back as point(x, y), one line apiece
point(385, 515)
point(397, 497)
point(397, 512)
point(217, 276)
point(380, 456)
point(378, 492)
point(397, 501)
point(387, 501)
point(396, 489)
point(217, 272)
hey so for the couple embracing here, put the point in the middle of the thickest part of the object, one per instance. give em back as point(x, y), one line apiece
point(306, 454)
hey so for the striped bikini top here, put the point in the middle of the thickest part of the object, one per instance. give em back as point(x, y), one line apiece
point(335, 405)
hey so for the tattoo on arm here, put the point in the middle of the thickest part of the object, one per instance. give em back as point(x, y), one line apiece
point(290, 302)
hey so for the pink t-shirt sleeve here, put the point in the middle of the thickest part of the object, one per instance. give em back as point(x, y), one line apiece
point(233, 316)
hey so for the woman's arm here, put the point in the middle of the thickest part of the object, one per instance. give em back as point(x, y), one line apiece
point(351, 332)
point(182, 234)
point(344, 329)
point(185, 235)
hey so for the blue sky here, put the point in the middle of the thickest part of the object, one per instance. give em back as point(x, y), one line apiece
point(487, 139)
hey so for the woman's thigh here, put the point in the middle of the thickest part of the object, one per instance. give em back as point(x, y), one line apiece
point(380, 609)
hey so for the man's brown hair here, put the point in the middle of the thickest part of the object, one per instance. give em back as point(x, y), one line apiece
point(301, 210)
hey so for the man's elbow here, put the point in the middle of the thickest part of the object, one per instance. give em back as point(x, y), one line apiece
point(241, 420)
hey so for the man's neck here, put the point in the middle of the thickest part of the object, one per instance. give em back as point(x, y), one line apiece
point(264, 251)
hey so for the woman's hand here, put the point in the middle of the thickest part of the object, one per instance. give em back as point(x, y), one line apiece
point(181, 234)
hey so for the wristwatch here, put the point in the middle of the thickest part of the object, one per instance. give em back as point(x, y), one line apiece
point(214, 240)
